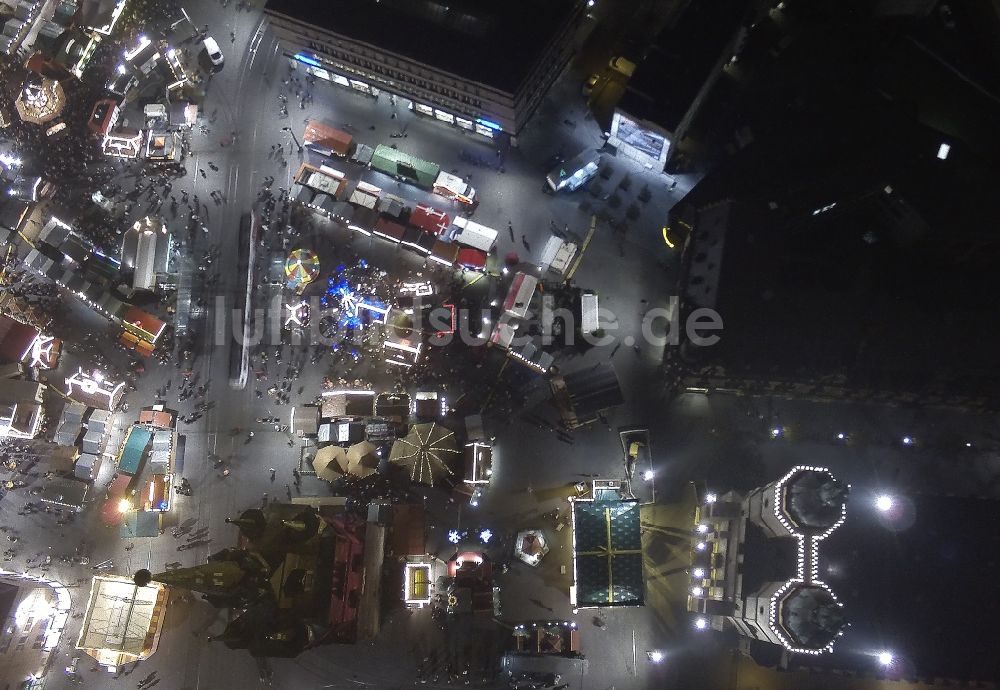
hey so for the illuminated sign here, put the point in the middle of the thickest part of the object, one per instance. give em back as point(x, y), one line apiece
point(489, 124)
point(307, 60)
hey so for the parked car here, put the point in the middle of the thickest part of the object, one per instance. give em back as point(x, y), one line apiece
point(212, 48)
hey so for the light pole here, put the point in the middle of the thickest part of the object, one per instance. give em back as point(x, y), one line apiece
point(294, 138)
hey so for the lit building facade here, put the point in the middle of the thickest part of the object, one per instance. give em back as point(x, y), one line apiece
point(444, 61)
point(33, 608)
point(801, 613)
point(123, 621)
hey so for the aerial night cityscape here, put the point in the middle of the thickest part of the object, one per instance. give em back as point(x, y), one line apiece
point(534, 344)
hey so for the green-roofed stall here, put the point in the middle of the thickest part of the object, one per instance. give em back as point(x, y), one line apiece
point(134, 450)
point(398, 164)
point(607, 553)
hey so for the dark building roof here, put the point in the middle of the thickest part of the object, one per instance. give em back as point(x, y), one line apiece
point(811, 616)
point(679, 61)
point(608, 553)
point(904, 581)
point(592, 390)
point(765, 559)
point(495, 43)
point(809, 290)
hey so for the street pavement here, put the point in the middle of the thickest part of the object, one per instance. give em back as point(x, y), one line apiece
point(717, 442)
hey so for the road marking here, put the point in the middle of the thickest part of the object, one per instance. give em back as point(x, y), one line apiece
point(197, 175)
point(583, 247)
point(474, 280)
point(635, 669)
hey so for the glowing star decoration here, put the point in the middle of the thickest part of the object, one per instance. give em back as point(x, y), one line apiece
point(454, 536)
point(353, 306)
point(298, 315)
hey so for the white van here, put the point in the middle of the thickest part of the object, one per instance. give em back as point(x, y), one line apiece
point(212, 48)
point(589, 321)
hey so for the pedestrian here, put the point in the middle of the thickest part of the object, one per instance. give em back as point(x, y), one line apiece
point(273, 473)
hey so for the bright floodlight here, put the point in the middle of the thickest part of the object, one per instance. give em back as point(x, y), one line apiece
point(884, 503)
point(885, 658)
point(698, 572)
point(840, 436)
point(776, 432)
point(700, 623)
point(648, 475)
point(697, 591)
point(701, 546)
point(124, 506)
point(702, 528)
point(907, 440)
point(656, 656)
point(711, 498)
point(943, 151)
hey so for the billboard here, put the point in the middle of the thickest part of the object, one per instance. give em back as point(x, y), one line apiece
point(637, 140)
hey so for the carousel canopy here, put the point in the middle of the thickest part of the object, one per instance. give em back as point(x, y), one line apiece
point(330, 463)
point(301, 268)
point(530, 546)
point(362, 459)
point(41, 100)
point(424, 452)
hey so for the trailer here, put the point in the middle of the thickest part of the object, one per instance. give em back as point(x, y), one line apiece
point(469, 233)
point(557, 254)
point(403, 166)
point(454, 187)
point(326, 140)
point(522, 289)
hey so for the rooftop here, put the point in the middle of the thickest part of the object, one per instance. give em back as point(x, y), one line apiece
point(815, 500)
point(879, 237)
point(680, 60)
point(904, 579)
point(120, 616)
point(447, 35)
point(607, 553)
